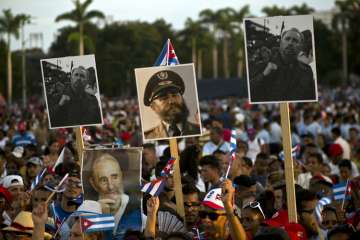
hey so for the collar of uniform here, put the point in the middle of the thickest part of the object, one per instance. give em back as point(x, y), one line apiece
point(168, 125)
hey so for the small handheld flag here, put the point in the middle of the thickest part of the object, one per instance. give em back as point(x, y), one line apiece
point(342, 191)
point(167, 55)
point(37, 179)
point(155, 187)
point(97, 223)
point(294, 152)
point(58, 161)
point(169, 168)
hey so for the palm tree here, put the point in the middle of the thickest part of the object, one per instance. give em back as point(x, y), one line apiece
point(239, 38)
point(80, 16)
point(225, 20)
point(10, 25)
point(24, 19)
point(209, 18)
point(193, 33)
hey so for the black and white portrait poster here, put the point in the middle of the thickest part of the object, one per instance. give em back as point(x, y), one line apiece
point(71, 91)
point(112, 177)
point(168, 102)
point(280, 54)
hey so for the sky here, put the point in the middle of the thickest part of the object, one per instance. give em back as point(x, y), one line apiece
point(175, 12)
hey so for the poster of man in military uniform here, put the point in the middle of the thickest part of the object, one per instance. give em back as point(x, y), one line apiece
point(71, 91)
point(168, 102)
point(280, 62)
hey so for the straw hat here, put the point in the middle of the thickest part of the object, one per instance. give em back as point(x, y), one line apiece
point(23, 223)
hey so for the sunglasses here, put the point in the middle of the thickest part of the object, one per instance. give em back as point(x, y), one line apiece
point(192, 204)
point(212, 215)
point(255, 205)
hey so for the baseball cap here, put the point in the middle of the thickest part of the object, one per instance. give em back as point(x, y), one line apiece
point(213, 199)
point(18, 151)
point(12, 180)
point(160, 81)
point(35, 160)
point(21, 127)
point(89, 207)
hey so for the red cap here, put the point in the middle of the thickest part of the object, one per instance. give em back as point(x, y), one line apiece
point(6, 194)
point(335, 150)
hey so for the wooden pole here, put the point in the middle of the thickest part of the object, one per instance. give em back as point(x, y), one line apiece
point(177, 178)
point(79, 143)
point(289, 166)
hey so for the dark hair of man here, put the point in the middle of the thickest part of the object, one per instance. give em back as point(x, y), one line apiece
point(150, 146)
point(304, 195)
point(210, 161)
point(344, 228)
point(345, 163)
point(317, 156)
point(262, 156)
point(244, 181)
point(189, 188)
point(311, 145)
point(218, 151)
point(336, 131)
point(188, 163)
point(330, 209)
point(247, 161)
point(271, 233)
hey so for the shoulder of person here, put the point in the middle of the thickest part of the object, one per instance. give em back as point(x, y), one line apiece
point(304, 66)
point(154, 132)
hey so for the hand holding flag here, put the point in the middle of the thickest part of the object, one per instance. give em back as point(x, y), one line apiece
point(232, 151)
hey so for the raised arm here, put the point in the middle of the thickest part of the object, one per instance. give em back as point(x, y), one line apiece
point(236, 229)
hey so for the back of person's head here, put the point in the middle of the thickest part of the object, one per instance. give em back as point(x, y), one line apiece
point(344, 229)
point(244, 181)
point(211, 161)
point(303, 195)
point(336, 131)
point(271, 233)
point(262, 156)
point(345, 163)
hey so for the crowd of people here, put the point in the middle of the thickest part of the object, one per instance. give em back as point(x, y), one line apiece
point(250, 204)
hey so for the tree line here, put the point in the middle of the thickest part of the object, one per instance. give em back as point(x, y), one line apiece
point(213, 41)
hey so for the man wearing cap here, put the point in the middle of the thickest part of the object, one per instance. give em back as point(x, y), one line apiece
point(14, 184)
point(76, 106)
point(23, 137)
point(164, 95)
point(33, 168)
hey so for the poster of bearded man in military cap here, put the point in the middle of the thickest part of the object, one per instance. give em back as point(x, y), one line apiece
point(168, 102)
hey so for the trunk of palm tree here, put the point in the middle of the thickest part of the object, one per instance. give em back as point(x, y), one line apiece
point(225, 56)
point(240, 64)
point(9, 71)
point(215, 61)
point(23, 60)
point(81, 39)
point(199, 64)
point(193, 50)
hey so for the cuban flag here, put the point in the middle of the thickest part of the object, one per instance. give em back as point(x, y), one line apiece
point(320, 206)
point(37, 179)
point(169, 168)
point(167, 55)
point(58, 161)
point(58, 221)
point(155, 187)
point(294, 152)
point(97, 223)
point(342, 191)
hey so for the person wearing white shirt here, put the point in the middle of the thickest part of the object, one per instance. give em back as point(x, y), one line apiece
point(216, 142)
